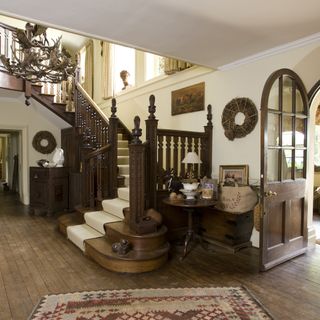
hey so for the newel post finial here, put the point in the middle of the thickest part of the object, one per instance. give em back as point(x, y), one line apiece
point(209, 115)
point(137, 131)
point(113, 108)
point(152, 107)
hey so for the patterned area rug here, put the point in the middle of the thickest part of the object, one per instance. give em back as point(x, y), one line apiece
point(152, 304)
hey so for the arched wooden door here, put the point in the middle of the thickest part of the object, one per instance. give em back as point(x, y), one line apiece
point(284, 115)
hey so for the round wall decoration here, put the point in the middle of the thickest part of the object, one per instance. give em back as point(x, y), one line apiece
point(236, 106)
point(44, 142)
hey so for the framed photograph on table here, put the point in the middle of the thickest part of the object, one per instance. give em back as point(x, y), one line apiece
point(234, 174)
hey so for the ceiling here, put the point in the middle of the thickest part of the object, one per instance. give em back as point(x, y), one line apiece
point(212, 33)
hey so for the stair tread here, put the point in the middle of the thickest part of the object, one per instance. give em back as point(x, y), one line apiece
point(79, 233)
point(103, 246)
point(115, 206)
point(97, 219)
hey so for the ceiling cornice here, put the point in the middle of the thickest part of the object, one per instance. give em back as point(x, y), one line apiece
point(271, 52)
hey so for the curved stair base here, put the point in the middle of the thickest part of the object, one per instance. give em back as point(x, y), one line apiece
point(100, 251)
point(149, 252)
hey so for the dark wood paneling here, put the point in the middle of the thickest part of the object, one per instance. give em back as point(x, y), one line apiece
point(49, 189)
point(70, 145)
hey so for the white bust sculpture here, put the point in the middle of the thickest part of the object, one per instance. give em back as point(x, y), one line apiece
point(58, 157)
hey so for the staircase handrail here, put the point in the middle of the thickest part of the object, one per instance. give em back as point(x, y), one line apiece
point(92, 103)
point(179, 133)
point(6, 26)
point(167, 148)
point(98, 152)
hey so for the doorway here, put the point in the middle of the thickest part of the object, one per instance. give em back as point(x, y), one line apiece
point(314, 164)
point(10, 161)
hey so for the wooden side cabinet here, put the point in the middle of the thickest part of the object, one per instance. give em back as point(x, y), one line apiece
point(49, 189)
point(227, 230)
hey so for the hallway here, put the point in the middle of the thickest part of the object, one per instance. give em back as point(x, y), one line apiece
point(35, 259)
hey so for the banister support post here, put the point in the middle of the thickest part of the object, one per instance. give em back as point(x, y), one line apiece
point(137, 176)
point(208, 130)
point(151, 136)
point(113, 155)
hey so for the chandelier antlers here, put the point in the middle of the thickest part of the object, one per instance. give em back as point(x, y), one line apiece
point(35, 60)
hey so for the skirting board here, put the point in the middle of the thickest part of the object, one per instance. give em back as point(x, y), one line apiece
point(311, 235)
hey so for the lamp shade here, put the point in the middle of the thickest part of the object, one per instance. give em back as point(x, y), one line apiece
point(191, 157)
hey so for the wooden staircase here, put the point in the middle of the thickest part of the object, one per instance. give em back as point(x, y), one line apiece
point(98, 231)
point(48, 100)
point(100, 175)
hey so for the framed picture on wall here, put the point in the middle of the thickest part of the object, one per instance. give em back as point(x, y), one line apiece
point(188, 99)
point(234, 174)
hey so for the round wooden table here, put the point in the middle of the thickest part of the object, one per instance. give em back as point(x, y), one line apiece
point(189, 207)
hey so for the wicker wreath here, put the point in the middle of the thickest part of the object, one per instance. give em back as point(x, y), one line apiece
point(44, 142)
point(242, 105)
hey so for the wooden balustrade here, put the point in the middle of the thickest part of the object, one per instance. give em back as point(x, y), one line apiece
point(96, 138)
point(98, 147)
point(167, 148)
point(7, 43)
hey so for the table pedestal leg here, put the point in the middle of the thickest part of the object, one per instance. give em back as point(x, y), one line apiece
point(190, 233)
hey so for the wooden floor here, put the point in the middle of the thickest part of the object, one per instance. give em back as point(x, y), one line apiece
point(35, 259)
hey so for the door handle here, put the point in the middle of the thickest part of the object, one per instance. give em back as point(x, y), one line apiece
point(270, 193)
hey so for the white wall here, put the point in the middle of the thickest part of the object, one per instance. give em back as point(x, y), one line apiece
point(15, 115)
point(220, 87)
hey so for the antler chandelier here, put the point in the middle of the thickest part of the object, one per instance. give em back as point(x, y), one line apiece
point(35, 60)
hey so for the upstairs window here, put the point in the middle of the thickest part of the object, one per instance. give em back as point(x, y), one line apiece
point(82, 64)
point(154, 66)
point(123, 60)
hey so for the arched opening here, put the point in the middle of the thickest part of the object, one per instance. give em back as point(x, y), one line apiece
point(313, 167)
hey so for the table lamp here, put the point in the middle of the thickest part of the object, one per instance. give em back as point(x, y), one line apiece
point(190, 184)
point(191, 158)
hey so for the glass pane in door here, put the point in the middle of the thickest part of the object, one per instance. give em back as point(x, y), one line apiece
point(287, 130)
point(299, 102)
point(300, 132)
point(299, 163)
point(287, 94)
point(273, 165)
point(287, 159)
point(273, 102)
point(273, 129)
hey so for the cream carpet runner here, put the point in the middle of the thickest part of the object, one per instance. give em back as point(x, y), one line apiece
point(112, 208)
point(153, 304)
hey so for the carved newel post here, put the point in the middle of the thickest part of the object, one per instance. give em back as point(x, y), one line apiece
point(208, 145)
point(151, 136)
point(113, 141)
point(139, 222)
point(137, 176)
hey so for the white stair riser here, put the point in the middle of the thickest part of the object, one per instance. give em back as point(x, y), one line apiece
point(123, 160)
point(123, 169)
point(115, 206)
point(126, 180)
point(123, 152)
point(123, 193)
point(122, 144)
